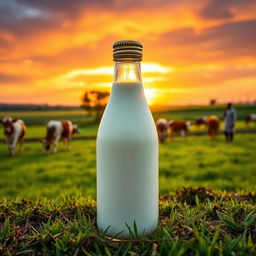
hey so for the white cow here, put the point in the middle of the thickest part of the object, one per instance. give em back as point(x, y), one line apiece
point(14, 131)
point(56, 131)
point(162, 129)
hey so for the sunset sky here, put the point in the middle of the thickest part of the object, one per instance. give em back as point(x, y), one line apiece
point(51, 51)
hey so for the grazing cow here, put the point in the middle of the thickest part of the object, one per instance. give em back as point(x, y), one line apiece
point(181, 127)
point(76, 129)
point(14, 131)
point(250, 118)
point(59, 130)
point(200, 121)
point(162, 129)
point(213, 123)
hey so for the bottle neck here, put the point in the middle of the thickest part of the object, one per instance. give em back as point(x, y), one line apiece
point(127, 71)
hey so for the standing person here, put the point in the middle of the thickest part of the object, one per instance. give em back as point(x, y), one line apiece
point(230, 119)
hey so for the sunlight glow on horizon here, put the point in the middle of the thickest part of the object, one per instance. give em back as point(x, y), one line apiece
point(150, 96)
point(108, 71)
point(151, 72)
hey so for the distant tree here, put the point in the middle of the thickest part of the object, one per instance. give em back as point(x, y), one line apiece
point(213, 102)
point(95, 102)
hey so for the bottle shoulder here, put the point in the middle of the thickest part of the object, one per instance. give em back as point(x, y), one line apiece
point(131, 124)
point(127, 113)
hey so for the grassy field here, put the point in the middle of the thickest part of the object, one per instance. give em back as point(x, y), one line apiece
point(81, 116)
point(61, 218)
point(90, 129)
point(195, 162)
point(191, 222)
point(39, 131)
point(36, 120)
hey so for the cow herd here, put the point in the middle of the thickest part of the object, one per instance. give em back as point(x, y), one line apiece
point(171, 128)
point(165, 128)
point(15, 131)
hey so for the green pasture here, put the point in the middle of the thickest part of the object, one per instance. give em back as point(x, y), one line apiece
point(61, 218)
point(39, 131)
point(36, 120)
point(42, 117)
point(195, 162)
point(90, 129)
point(192, 112)
point(172, 113)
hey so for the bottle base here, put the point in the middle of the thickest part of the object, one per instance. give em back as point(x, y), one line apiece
point(126, 233)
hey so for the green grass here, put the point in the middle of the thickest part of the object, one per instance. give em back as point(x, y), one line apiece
point(61, 218)
point(195, 162)
point(191, 112)
point(191, 222)
point(42, 117)
point(215, 164)
point(81, 116)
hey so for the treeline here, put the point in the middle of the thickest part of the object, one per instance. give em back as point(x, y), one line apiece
point(35, 107)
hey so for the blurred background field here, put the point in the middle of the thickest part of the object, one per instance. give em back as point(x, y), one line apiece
point(36, 120)
point(194, 162)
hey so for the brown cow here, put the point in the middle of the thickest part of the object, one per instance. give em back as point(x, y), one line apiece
point(56, 131)
point(200, 121)
point(181, 127)
point(162, 129)
point(250, 118)
point(14, 131)
point(213, 123)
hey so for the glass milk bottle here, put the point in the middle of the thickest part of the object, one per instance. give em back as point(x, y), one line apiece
point(127, 151)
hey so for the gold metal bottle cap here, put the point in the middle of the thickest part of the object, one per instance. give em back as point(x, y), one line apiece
point(127, 49)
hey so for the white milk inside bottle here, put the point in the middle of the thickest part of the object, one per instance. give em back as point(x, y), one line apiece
point(127, 152)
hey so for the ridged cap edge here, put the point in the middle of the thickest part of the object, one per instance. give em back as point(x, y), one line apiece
point(127, 43)
point(127, 49)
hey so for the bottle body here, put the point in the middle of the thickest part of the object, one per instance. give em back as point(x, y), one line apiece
point(127, 163)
